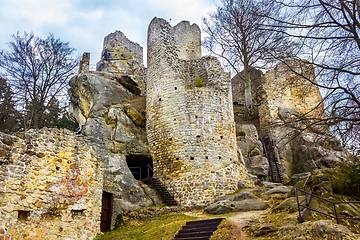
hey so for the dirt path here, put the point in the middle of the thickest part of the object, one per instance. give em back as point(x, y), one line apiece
point(243, 220)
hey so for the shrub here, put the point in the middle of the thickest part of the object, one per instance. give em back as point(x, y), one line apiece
point(351, 171)
point(199, 82)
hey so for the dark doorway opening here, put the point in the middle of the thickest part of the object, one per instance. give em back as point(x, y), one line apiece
point(106, 211)
point(140, 166)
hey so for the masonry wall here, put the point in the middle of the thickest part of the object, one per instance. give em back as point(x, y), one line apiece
point(283, 88)
point(50, 186)
point(191, 129)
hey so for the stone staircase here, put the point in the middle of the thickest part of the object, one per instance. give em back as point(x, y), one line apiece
point(273, 159)
point(199, 230)
point(167, 197)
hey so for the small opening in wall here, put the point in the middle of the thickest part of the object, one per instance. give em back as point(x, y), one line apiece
point(175, 88)
point(159, 99)
point(174, 119)
point(221, 137)
point(23, 215)
point(198, 136)
point(219, 157)
point(170, 139)
point(191, 158)
point(57, 168)
point(206, 157)
point(196, 116)
point(177, 158)
point(77, 213)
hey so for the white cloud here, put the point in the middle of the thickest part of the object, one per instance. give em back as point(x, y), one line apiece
point(43, 11)
point(85, 23)
point(177, 11)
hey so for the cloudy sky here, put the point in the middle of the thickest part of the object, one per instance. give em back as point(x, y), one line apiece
point(85, 23)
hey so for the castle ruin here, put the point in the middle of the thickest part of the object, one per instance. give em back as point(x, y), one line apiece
point(194, 137)
point(190, 128)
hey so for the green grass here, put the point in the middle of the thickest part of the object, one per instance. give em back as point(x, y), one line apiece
point(161, 228)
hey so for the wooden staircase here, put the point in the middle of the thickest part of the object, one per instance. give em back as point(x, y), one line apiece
point(199, 230)
point(167, 197)
point(273, 159)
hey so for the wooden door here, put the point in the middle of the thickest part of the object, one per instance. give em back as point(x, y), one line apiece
point(106, 211)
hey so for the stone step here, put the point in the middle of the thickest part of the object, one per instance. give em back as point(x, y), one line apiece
point(202, 229)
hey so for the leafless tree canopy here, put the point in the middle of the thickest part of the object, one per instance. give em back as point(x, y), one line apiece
point(238, 33)
point(38, 71)
point(326, 33)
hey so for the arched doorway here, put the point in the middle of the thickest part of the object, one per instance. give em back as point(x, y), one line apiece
point(140, 166)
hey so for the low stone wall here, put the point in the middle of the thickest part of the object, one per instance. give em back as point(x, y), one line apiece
point(50, 186)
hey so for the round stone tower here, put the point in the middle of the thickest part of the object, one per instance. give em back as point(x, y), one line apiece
point(190, 122)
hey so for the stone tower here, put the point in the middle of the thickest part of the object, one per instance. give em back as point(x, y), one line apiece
point(190, 127)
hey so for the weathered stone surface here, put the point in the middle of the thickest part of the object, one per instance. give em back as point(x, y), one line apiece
point(116, 130)
point(51, 194)
point(227, 206)
point(289, 205)
point(244, 195)
point(286, 106)
point(258, 165)
point(85, 63)
point(190, 129)
point(278, 189)
point(134, 115)
point(120, 55)
point(322, 229)
point(299, 176)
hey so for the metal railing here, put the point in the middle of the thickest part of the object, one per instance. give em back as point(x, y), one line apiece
point(145, 172)
point(142, 172)
point(309, 195)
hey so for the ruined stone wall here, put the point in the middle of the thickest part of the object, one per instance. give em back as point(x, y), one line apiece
point(191, 129)
point(284, 89)
point(50, 186)
point(119, 54)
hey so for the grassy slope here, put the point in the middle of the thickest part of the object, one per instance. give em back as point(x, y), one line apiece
point(163, 227)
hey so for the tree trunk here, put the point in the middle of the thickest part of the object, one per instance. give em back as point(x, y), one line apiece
point(248, 96)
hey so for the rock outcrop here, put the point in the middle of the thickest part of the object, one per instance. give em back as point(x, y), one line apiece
point(110, 110)
point(288, 110)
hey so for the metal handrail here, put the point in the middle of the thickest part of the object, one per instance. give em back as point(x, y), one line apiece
point(268, 157)
point(173, 190)
point(148, 169)
point(335, 215)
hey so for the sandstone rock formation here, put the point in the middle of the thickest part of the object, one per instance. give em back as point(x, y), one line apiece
point(50, 186)
point(287, 109)
point(110, 111)
point(244, 201)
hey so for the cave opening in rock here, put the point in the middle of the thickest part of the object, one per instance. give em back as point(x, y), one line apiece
point(140, 166)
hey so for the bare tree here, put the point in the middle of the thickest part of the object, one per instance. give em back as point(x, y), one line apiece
point(238, 33)
point(38, 71)
point(10, 118)
point(326, 33)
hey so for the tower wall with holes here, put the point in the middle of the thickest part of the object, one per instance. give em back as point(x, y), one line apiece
point(190, 122)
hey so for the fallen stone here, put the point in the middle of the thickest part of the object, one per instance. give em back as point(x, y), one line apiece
point(227, 206)
point(278, 189)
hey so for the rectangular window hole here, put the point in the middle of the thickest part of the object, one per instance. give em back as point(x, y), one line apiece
point(77, 213)
point(23, 215)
